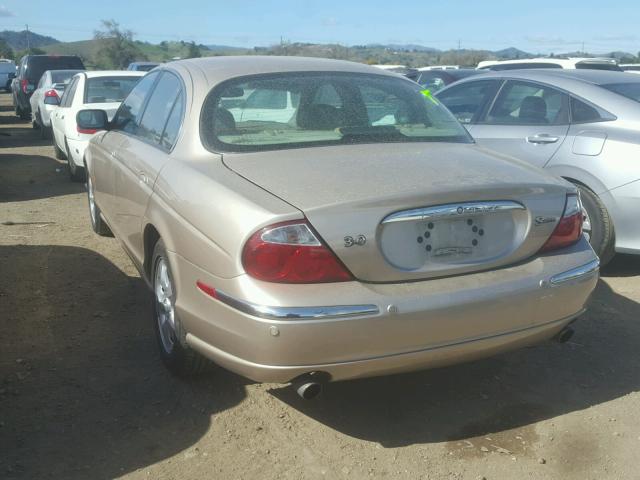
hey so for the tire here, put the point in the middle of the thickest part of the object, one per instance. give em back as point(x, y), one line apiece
point(597, 225)
point(177, 356)
point(60, 155)
point(97, 224)
point(45, 133)
point(76, 173)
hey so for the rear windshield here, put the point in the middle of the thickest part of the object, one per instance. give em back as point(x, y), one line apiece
point(108, 89)
point(629, 90)
point(521, 66)
point(145, 67)
point(292, 110)
point(36, 66)
point(63, 76)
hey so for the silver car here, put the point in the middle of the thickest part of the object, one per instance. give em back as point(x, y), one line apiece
point(360, 232)
point(582, 125)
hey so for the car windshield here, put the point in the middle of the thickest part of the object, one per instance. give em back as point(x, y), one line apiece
point(37, 65)
point(108, 89)
point(629, 90)
point(266, 112)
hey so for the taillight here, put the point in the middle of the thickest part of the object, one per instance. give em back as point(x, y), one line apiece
point(88, 131)
point(569, 228)
point(51, 94)
point(290, 252)
point(24, 83)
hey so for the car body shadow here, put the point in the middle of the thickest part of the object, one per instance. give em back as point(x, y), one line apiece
point(83, 393)
point(29, 177)
point(500, 398)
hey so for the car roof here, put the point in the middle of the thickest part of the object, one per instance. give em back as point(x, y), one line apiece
point(219, 69)
point(553, 76)
point(112, 73)
point(568, 62)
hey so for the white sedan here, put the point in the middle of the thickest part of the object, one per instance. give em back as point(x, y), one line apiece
point(102, 90)
point(46, 97)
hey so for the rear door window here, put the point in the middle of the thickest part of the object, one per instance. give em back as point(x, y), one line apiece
point(159, 108)
point(524, 103)
point(127, 118)
point(467, 100)
point(581, 112)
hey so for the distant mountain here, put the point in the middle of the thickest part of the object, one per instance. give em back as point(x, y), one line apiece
point(511, 53)
point(225, 49)
point(18, 40)
point(410, 47)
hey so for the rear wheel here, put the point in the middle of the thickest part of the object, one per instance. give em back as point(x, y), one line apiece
point(178, 357)
point(97, 224)
point(76, 173)
point(60, 155)
point(597, 225)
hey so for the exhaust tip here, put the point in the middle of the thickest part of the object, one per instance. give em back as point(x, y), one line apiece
point(565, 335)
point(309, 390)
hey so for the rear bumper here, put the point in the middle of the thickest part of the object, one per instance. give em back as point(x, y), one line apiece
point(76, 149)
point(356, 330)
point(433, 357)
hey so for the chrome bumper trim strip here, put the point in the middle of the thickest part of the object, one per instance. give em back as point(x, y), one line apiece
point(575, 273)
point(297, 313)
point(452, 210)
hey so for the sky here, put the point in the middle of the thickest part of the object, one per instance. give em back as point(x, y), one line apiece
point(535, 26)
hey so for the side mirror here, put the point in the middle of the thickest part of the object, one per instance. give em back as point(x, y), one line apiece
point(90, 121)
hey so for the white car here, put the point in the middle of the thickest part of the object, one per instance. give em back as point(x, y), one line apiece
point(630, 67)
point(46, 98)
point(7, 73)
point(103, 90)
point(548, 62)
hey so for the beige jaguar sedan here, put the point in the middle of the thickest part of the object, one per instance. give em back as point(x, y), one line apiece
point(305, 220)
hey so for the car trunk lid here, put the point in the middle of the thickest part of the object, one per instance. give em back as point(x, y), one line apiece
point(407, 212)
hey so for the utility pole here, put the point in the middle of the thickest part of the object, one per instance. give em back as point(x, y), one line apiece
point(582, 48)
point(28, 42)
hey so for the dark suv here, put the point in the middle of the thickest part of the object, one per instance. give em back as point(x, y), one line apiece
point(30, 69)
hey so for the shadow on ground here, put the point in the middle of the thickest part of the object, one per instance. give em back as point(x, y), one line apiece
point(502, 396)
point(29, 177)
point(83, 393)
point(622, 266)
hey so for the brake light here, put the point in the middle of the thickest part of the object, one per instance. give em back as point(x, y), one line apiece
point(569, 228)
point(290, 252)
point(88, 131)
point(51, 94)
point(24, 83)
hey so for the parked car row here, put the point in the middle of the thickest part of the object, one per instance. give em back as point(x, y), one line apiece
point(307, 220)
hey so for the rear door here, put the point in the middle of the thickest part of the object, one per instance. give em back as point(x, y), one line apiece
point(142, 154)
point(527, 120)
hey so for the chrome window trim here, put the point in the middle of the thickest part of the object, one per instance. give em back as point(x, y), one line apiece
point(452, 210)
point(297, 313)
point(575, 273)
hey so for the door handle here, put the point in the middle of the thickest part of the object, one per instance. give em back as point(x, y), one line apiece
point(143, 177)
point(542, 138)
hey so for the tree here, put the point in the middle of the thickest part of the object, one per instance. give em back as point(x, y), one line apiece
point(193, 51)
point(5, 50)
point(116, 46)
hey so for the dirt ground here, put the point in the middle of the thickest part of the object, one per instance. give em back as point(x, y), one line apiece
point(83, 393)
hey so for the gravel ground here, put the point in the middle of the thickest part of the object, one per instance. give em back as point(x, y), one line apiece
point(83, 393)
